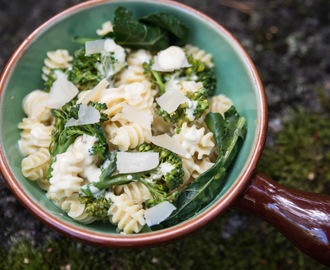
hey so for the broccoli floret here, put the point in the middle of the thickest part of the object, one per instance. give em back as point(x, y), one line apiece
point(84, 73)
point(162, 182)
point(88, 70)
point(97, 207)
point(63, 136)
point(169, 170)
point(188, 111)
point(200, 72)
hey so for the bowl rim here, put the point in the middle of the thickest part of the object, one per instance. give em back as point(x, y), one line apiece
point(164, 235)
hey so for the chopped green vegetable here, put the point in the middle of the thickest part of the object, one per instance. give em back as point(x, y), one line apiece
point(229, 133)
point(154, 32)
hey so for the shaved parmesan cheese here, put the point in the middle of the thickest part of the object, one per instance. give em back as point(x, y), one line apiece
point(94, 94)
point(158, 213)
point(170, 59)
point(170, 143)
point(171, 100)
point(135, 115)
point(132, 162)
point(86, 115)
point(61, 92)
point(95, 46)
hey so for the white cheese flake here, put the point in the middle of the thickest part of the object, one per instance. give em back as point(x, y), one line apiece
point(171, 100)
point(61, 92)
point(138, 116)
point(170, 59)
point(93, 95)
point(158, 213)
point(170, 143)
point(95, 46)
point(86, 115)
point(132, 162)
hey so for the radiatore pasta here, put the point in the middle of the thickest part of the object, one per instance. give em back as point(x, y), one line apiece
point(76, 164)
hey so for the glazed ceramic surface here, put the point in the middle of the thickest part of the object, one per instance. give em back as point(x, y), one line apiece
point(236, 76)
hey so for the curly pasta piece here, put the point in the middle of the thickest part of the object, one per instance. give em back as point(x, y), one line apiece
point(138, 94)
point(106, 28)
point(128, 216)
point(34, 135)
point(68, 166)
point(201, 166)
point(127, 136)
point(195, 141)
point(136, 191)
point(35, 166)
point(56, 59)
point(34, 106)
point(199, 54)
point(134, 72)
point(75, 209)
point(219, 104)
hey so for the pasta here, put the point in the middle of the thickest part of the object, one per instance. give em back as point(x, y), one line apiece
point(56, 59)
point(199, 54)
point(195, 141)
point(135, 191)
point(133, 139)
point(35, 166)
point(220, 104)
point(34, 106)
point(66, 170)
point(34, 135)
point(126, 214)
point(127, 136)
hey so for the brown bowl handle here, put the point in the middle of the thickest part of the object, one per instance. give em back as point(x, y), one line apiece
point(302, 217)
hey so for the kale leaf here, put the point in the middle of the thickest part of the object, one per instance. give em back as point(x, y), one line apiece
point(229, 133)
point(154, 32)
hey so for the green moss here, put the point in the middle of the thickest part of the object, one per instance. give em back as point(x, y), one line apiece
point(300, 156)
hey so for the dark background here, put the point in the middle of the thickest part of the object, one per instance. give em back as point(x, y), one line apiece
point(288, 40)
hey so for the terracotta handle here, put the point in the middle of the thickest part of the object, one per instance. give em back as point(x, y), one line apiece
point(303, 217)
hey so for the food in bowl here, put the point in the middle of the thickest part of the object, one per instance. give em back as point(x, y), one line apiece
point(127, 130)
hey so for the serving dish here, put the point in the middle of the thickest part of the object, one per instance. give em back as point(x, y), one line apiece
point(302, 217)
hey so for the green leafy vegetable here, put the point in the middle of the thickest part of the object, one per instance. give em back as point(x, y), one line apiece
point(178, 32)
point(154, 32)
point(229, 133)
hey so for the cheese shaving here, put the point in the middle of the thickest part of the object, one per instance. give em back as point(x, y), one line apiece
point(94, 94)
point(86, 115)
point(158, 213)
point(95, 46)
point(170, 143)
point(61, 92)
point(171, 100)
point(132, 162)
point(135, 115)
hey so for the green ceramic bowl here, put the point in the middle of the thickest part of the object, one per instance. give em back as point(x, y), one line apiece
point(237, 78)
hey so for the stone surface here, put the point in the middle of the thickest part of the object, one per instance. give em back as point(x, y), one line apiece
point(288, 41)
